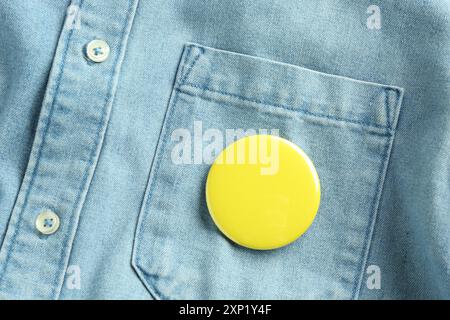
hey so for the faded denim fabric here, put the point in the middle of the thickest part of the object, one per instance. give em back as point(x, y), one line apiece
point(361, 86)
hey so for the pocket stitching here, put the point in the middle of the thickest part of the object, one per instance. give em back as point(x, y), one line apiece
point(144, 213)
point(184, 75)
point(377, 200)
point(390, 107)
point(373, 218)
point(186, 68)
point(362, 123)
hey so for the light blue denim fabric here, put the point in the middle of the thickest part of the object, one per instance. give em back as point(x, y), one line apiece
point(367, 100)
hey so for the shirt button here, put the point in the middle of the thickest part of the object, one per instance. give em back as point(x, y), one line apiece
point(97, 50)
point(47, 222)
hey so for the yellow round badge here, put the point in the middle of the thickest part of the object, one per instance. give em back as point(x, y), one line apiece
point(263, 192)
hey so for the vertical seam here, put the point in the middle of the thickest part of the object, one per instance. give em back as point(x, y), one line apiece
point(19, 222)
point(388, 107)
point(85, 185)
point(374, 218)
point(152, 178)
point(154, 171)
point(185, 74)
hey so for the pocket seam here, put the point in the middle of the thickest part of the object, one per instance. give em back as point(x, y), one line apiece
point(389, 106)
point(262, 102)
point(185, 74)
point(144, 213)
point(186, 68)
point(376, 202)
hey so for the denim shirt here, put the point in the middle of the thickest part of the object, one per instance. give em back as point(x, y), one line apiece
point(361, 86)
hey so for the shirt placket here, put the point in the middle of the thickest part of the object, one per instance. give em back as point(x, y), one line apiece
point(69, 136)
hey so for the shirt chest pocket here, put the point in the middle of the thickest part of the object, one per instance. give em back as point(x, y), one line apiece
point(344, 125)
